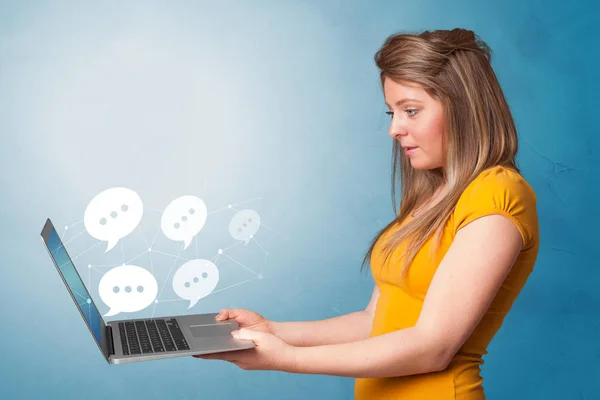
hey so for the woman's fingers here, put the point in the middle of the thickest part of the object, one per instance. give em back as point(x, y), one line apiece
point(225, 356)
point(229, 313)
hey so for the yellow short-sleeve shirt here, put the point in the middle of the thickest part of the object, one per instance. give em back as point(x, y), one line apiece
point(497, 190)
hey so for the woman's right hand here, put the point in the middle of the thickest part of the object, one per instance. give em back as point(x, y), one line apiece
point(246, 319)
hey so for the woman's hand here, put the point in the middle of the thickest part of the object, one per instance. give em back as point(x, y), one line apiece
point(270, 353)
point(246, 319)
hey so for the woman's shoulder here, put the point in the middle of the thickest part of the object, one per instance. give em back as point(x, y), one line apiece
point(499, 190)
point(503, 179)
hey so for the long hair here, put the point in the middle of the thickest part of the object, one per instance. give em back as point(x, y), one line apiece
point(454, 67)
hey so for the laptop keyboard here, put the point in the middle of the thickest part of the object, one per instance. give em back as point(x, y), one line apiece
point(151, 336)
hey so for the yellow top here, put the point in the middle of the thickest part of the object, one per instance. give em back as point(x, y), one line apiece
point(497, 190)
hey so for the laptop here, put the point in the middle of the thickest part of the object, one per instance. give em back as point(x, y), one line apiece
point(133, 340)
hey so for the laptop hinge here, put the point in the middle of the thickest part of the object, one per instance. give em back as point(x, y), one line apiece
point(109, 340)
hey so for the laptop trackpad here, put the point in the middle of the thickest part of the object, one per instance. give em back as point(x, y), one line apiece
point(199, 331)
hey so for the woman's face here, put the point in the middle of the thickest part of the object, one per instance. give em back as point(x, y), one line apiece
point(417, 121)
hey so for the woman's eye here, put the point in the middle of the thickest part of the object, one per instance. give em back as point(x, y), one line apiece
point(389, 113)
point(414, 110)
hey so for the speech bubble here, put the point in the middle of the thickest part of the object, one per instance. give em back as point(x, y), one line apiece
point(195, 279)
point(128, 288)
point(183, 219)
point(113, 214)
point(244, 225)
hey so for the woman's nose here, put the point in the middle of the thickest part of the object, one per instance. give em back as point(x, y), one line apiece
point(397, 128)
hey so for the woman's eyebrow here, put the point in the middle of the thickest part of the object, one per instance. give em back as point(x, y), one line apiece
point(404, 100)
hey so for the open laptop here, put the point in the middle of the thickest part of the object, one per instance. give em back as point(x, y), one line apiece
point(133, 340)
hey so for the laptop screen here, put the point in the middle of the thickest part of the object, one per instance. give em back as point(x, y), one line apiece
point(71, 277)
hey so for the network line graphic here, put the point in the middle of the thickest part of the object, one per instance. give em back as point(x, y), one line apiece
point(115, 213)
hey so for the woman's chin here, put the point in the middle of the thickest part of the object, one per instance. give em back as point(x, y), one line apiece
point(418, 164)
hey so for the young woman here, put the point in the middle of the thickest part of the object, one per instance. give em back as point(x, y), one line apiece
point(448, 268)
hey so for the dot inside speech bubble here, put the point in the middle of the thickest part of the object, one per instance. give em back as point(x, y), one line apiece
point(195, 279)
point(113, 214)
point(183, 219)
point(128, 288)
point(244, 225)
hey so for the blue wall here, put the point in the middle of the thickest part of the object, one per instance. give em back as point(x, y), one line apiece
point(275, 105)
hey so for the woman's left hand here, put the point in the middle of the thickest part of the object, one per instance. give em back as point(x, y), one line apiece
point(270, 353)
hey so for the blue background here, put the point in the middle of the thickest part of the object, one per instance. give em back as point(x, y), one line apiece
point(276, 105)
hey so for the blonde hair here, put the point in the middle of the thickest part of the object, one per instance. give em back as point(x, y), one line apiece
point(452, 66)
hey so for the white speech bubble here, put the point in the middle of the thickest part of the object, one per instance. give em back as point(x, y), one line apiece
point(113, 214)
point(244, 225)
point(128, 288)
point(195, 279)
point(183, 219)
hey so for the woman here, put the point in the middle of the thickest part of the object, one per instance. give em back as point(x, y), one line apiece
point(449, 267)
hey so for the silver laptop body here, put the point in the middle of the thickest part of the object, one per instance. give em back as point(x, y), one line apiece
point(167, 337)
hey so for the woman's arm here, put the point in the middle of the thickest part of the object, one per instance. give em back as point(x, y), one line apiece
point(464, 285)
point(345, 328)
